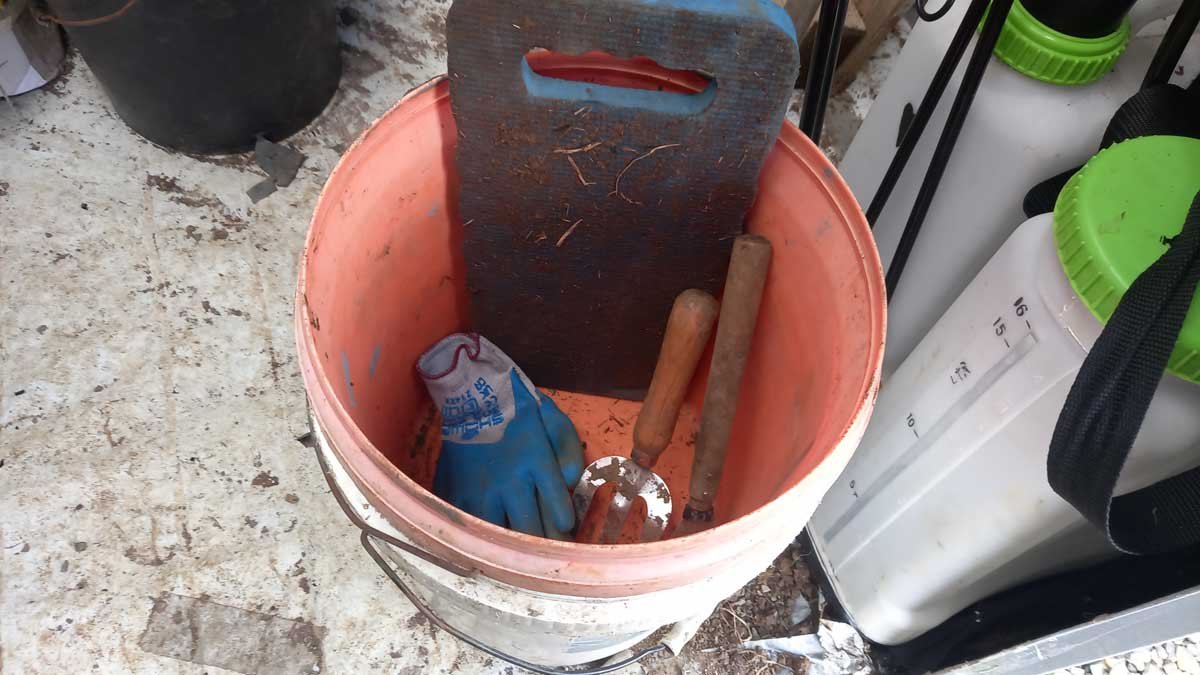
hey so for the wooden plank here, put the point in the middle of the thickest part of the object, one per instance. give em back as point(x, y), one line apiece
point(852, 34)
point(879, 16)
point(868, 22)
point(803, 13)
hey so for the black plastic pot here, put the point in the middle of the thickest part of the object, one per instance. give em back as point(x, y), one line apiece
point(208, 76)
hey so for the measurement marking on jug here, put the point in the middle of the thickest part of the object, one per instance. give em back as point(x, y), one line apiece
point(1000, 327)
point(944, 422)
point(960, 374)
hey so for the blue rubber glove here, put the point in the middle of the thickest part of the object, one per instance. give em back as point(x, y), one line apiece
point(508, 453)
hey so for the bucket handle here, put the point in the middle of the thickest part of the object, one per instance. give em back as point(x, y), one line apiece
point(370, 535)
point(367, 530)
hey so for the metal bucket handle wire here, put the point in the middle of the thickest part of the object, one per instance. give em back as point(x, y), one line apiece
point(368, 539)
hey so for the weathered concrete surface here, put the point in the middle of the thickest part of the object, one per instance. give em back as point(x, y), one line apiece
point(210, 634)
point(149, 393)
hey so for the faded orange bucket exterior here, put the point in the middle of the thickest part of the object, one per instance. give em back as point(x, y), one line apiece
point(382, 278)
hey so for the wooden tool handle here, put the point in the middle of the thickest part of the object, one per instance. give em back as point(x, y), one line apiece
point(739, 312)
point(688, 329)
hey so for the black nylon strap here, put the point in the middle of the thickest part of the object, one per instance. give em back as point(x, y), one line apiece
point(1108, 401)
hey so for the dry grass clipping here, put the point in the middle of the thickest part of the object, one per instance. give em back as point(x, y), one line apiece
point(567, 152)
point(568, 232)
point(617, 183)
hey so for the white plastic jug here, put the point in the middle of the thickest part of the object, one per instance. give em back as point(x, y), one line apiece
point(946, 500)
point(1019, 132)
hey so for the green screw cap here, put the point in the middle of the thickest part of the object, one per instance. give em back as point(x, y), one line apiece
point(1111, 220)
point(1034, 49)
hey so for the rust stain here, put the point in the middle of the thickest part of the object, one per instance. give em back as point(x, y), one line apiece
point(150, 556)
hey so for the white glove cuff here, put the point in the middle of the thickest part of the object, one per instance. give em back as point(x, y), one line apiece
point(468, 378)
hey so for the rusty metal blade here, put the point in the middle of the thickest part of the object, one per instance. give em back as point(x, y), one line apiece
point(632, 481)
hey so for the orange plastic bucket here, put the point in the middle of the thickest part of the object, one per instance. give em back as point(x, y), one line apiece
point(382, 278)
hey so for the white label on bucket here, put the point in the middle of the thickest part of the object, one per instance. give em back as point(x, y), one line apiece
point(587, 643)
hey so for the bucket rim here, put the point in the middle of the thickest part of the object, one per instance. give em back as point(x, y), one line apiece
point(571, 568)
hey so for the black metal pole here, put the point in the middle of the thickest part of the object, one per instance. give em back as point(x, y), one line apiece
point(929, 103)
point(1173, 43)
point(821, 67)
point(945, 145)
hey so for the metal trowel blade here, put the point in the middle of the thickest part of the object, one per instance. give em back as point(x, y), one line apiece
point(631, 481)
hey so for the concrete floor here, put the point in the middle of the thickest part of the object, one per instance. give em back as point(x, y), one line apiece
point(150, 398)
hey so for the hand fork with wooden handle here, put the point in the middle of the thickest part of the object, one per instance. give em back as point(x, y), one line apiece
point(688, 329)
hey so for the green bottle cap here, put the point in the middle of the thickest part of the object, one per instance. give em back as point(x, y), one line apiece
point(1034, 49)
point(1113, 217)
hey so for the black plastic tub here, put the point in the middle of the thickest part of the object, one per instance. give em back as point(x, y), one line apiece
point(208, 76)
